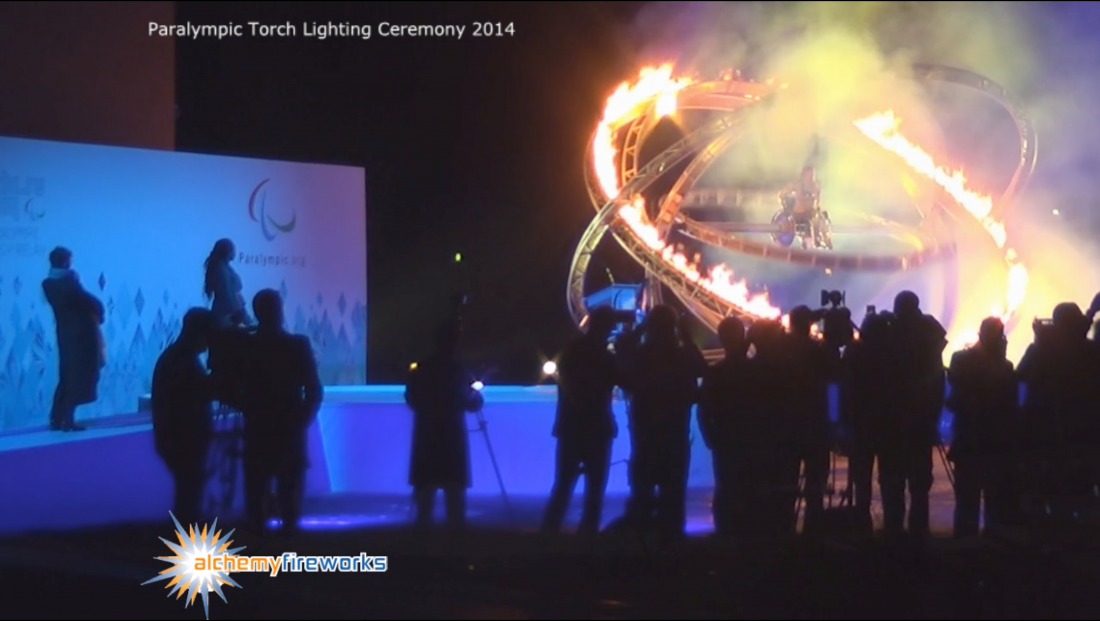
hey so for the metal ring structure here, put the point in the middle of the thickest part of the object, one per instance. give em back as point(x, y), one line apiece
point(705, 144)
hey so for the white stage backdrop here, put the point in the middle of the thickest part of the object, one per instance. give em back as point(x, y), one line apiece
point(140, 224)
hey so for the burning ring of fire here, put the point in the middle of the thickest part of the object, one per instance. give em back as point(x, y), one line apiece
point(616, 183)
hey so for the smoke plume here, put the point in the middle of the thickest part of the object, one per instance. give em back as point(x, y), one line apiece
point(843, 60)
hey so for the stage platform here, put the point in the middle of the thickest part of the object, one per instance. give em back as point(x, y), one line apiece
point(359, 448)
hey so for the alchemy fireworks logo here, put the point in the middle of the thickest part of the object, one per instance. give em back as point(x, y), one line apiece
point(191, 574)
point(257, 210)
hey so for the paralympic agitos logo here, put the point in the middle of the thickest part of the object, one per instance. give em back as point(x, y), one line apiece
point(257, 210)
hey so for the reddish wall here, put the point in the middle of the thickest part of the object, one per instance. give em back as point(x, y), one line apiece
point(87, 72)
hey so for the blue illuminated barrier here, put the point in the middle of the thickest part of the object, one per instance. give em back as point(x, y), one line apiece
point(367, 437)
point(360, 444)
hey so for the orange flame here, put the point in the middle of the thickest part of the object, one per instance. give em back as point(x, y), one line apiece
point(719, 281)
point(655, 84)
point(883, 129)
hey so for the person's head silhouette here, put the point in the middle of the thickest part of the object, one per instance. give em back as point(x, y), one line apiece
point(907, 305)
point(195, 333)
point(731, 333)
point(802, 321)
point(61, 258)
point(601, 322)
point(268, 308)
point(1069, 321)
point(991, 336)
point(661, 323)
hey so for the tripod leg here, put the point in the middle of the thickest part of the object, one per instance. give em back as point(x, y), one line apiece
point(483, 426)
point(946, 465)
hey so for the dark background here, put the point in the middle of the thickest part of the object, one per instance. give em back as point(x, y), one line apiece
point(471, 146)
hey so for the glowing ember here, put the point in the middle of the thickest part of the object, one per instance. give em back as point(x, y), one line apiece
point(882, 128)
point(654, 83)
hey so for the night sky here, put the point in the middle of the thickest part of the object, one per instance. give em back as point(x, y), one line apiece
point(471, 146)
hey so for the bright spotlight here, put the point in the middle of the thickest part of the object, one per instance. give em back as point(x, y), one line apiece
point(1056, 212)
point(550, 368)
point(477, 386)
point(412, 366)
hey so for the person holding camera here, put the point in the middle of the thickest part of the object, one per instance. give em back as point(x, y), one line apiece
point(985, 400)
point(183, 396)
point(812, 367)
point(1059, 370)
point(440, 393)
point(585, 424)
point(725, 427)
point(663, 380)
point(865, 402)
point(912, 430)
point(770, 485)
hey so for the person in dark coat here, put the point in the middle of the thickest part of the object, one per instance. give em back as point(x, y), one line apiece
point(722, 407)
point(585, 424)
point(663, 379)
point(284, 394)
point(910, 431)
point(985, 399)
point(79, 341)
point(440, 393)
point(182, 400)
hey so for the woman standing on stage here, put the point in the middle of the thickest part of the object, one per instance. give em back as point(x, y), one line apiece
point(222, 286)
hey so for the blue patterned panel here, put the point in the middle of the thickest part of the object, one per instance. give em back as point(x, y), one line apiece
point(135, 339)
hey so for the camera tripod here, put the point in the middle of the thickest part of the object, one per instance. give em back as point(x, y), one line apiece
point(483, 428)
point(223, 460)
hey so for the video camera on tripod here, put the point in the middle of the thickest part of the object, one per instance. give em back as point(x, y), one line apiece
point(837, 327)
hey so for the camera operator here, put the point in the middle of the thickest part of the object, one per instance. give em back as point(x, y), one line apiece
point(440, 393)
point(984, 398)
point(811, 368)
point(912, 430)
point(770, 487)
point(865, 401)
point(585, 423)
point(726, 429)
point(1059, 370)
point(663, 381)
point(182, 397)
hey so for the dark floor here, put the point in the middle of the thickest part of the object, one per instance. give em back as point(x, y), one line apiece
point(497, 571)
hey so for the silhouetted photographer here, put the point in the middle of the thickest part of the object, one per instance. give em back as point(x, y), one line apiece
point(1059, 369)
point(440, 392)
point(182, 409)
point(585, 423)
point(911, 432)
point(984, 397)
point(663, 380)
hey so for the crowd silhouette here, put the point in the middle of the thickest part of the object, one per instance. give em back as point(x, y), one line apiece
point(763, 411)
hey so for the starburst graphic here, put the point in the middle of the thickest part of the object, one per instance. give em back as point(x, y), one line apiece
point(185, 576)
